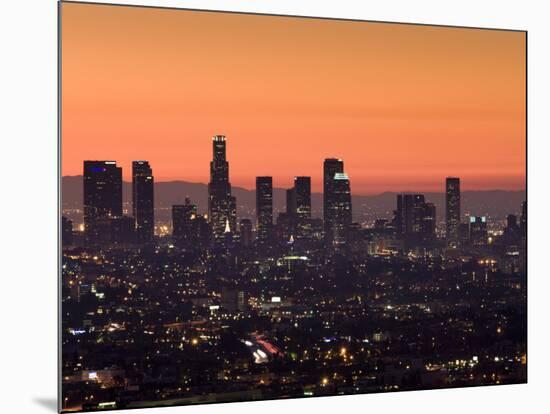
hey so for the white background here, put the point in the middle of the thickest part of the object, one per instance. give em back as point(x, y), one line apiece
point(28, 197)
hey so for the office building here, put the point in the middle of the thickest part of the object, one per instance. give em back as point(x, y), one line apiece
point(245, 233)
point(478, 230)
point(184, 224)
point(331, 166)
point(222, 206)
point(302, 195)
point(339, 209)
point(143, 201)
point(452, 210)
point(405, 218)
point(102, 199)
point(122, 230)
point(264, 209)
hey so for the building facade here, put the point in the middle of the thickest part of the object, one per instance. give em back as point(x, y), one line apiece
point(339, 209)
point(302, 196)
point(184, 229)
point(478, 230)
point(222, 206)
point(331, 166)
point(264, 209)
point(143, 202)
point(102, 199)
point(452, 211)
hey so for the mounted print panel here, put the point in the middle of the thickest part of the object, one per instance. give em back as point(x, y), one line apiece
point(261, 207)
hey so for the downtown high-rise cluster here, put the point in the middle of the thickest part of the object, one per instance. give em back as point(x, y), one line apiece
point(104, 221)
point(225, 305)
point(414, 222)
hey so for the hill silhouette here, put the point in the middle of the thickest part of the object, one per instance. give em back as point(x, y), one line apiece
point(493, 203)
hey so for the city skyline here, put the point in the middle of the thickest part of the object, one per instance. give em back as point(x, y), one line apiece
point(262, 207)
point(317, 180)
point(465, 101)
point(229, 291)
point(414, 219)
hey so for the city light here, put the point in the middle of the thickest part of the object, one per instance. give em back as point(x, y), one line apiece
point(223, 301)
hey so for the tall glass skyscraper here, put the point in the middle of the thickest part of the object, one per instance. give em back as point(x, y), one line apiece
point(406, 217)
point(264, 208)
point(415, 219)
point(340, 209)
point(478, 230)
point(184, 231)
point(102, 199)
point(425, 222)
point(331, 166)
point(245, 232)
point(222, 208)
point(291, 202)
point(143, 201)
point(452, 210)
point(302, 200)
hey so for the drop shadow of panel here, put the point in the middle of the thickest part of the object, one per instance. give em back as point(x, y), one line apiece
point(49, 403)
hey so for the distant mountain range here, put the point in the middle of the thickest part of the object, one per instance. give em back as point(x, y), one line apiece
point(495, 203)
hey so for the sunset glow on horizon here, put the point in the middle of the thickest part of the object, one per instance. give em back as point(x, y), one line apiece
point(404, 106)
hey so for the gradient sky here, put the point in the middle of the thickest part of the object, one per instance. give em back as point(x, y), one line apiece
point(403, 105)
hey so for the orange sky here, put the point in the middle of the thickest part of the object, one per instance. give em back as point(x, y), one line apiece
point(403, 105)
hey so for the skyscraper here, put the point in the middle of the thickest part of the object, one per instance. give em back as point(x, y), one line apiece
point(425, 222)
point(407, 205)
point(339, 209)
point(415, 219)
point(286, 221)
point(264, 208)
point(204, 232)
point(331, 166)
point(143, 201)
point(302, 196)
point(291, 201)
point(221, 204)
point(464, 233)
point(452, 210)
point(102, 199)
point(512, 232)
point(245, 232)
point(184, 230)
point(123, 230)
point(478, 230)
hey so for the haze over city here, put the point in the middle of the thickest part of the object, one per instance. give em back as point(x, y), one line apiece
point(403, 105)
point(263, 207)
